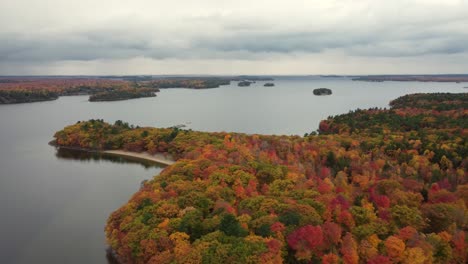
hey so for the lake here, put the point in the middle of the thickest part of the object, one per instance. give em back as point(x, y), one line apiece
point(54, 205)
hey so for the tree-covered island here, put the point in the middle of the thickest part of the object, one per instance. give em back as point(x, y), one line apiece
point(322, 91)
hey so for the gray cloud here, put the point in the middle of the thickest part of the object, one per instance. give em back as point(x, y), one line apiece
point(116, 44)
point(220, 30)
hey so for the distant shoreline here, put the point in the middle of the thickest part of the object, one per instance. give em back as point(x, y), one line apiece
point(414, 78)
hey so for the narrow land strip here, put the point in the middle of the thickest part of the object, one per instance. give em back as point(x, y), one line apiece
point(159, 158)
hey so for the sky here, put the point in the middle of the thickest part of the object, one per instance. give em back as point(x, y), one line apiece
point(271, 37)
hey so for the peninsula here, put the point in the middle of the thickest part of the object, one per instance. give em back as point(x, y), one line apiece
point(105, 88)
point(158, 158)
point(374, 186)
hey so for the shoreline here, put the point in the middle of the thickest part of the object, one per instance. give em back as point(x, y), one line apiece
point(157, 158)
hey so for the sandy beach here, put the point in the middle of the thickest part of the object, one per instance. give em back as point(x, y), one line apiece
point(159, 158)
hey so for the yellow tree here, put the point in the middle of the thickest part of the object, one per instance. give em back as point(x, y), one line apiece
point(395, 248)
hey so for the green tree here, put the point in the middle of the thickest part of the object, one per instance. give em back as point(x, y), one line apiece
point(406, 216)
point(231, 226)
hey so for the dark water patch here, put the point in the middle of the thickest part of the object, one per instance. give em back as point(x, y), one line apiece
point(97, 157)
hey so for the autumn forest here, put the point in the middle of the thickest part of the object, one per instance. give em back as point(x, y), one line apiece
point(371, 186)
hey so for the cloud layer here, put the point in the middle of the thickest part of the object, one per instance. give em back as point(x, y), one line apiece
point(222, 35)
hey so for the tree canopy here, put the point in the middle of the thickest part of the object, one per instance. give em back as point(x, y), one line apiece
point(376, 186)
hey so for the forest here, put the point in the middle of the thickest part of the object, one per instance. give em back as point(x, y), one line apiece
point(34, 89)
point(26, 96)
point(372, 186)
point(123, 94)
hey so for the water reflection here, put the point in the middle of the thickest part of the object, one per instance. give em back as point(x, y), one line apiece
point(96, 157)
point(89, 156)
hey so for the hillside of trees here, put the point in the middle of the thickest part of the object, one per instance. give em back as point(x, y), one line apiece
point(375, 186)
point(26, 96)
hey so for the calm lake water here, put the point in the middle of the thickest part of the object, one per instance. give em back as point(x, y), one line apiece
point(54, 206)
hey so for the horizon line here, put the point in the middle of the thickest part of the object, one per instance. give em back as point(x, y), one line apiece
point(202, 75)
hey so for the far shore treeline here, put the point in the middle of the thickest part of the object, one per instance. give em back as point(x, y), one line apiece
point(371, 186)
point(35, 89)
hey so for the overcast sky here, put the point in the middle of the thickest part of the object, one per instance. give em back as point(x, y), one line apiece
point(233, 37)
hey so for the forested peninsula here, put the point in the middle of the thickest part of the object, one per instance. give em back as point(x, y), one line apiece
point(35, 89)
point(372, 186)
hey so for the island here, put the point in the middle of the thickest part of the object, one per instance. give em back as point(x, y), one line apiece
point(322, 91)
point(123, 94)
point(269, 84)
point(374, 186)
point(244, 83)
